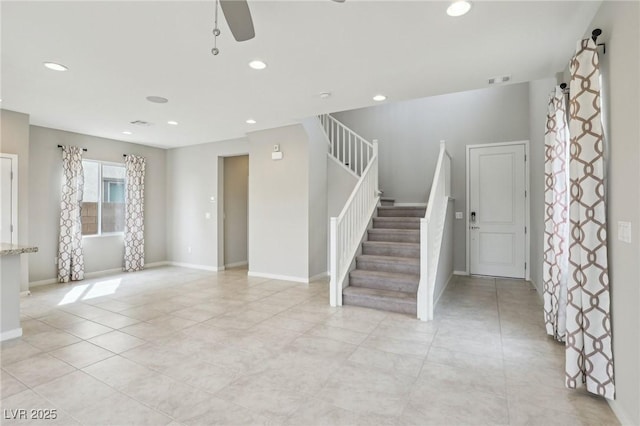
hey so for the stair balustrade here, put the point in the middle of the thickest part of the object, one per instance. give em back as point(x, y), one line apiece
point(360, 157)
point(431, 233)
point(346, 147)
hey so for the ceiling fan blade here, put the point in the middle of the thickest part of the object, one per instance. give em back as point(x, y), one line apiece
point(238, 16)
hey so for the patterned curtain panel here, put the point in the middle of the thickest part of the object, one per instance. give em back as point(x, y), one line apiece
point(589, 358)
point(70, 259)
point(556, 233)
point(134, 214)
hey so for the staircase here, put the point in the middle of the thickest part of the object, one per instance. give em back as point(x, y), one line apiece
point(387, 272)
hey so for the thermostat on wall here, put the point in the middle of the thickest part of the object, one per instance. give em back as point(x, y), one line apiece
point(276, 156)
point(276, 148)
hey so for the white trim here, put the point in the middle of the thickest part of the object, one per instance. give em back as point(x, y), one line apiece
point(156, 264)
point(462, 273)
point(623, 417)
point(527, 207)
point(278, 277)
point(437, 298)
point(42, 282)
point(95, 274)
point(319, 276)
point(14, 196)
point(11, 334)
point(194, 266)
point(409, 205)
point(236, 264)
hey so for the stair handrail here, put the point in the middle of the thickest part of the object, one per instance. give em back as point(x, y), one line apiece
point(431, 232)
point(346, 147)
point(347, 230)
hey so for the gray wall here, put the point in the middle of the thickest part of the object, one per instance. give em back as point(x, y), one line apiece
point(620, 25)
point(409, 133)
point(45, 176)
point(340, 184)
point(539, 91)
point(236, 218)
point(193, 177)
point(318, 222)
point(14, 139)
point(279, 203)
point(445, 263)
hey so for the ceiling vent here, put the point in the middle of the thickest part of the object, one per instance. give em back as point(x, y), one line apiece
point(500, 79)
point(141, 123)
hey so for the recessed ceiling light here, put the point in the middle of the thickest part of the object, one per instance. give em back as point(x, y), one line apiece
point(459, 8)
point(54, 66)
point(157, 99)
point(325, 95)
point(379, 98)
point(251, 121)
point(173, 123)
point(126, 132)
point(257, 64)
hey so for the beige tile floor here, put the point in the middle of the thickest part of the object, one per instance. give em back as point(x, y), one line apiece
point(177, 346)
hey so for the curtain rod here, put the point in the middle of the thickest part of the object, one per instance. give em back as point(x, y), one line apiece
point(84, 149)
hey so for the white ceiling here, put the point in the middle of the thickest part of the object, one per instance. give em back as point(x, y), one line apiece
point(119, 52)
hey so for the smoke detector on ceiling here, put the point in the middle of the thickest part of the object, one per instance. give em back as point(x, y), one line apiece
point(500, 79)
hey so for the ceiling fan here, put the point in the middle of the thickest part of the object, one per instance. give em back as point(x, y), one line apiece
point(238, 17)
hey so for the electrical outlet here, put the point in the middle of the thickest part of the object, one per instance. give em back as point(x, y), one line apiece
point(459, 215)
point(189, 249)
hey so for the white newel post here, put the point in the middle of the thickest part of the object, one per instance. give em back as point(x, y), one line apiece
point(335, 294)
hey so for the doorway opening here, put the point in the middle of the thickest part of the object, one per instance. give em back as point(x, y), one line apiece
point(235, 211)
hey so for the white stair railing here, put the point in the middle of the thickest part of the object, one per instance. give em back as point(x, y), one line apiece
point(431, 232)
point(347, 230)
point(348, 148)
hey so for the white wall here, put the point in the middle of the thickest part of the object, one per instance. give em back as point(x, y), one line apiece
point(279, 203)
point(45, 171)
point(620, 25)
point(318, 221)
point(409, 133)
point(445, 263)
point(539, 91)
point(193, 177)
point(236, 213)
point(14, 139)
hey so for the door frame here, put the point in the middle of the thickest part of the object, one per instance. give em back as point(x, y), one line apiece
point(14, 195)
point(527, 201)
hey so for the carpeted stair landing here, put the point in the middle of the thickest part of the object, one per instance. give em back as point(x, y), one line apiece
point(388, 271)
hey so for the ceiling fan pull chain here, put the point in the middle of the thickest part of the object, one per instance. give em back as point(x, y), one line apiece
point(216, 33)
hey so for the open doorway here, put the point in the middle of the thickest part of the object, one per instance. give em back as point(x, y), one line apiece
point(235, 211)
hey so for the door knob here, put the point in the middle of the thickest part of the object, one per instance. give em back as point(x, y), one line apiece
point(473, 216)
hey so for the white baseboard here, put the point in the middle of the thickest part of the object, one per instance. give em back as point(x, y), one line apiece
point(410, 204)
point(236, 264)
point(278, 277)
point(443, 289)
point(42, 282)
point(156, 264)
point(96, 274)
point(319, 276)
point(194, 266)
point(11, 334)
point(623, 417)
point(464, 273)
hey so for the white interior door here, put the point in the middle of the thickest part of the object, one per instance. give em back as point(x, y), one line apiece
point(497, 211)
point(8, 206)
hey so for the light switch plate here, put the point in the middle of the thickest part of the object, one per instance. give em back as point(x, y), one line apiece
point(624, 231)
point(459, 215)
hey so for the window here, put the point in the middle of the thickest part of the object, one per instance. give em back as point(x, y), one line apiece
point(103, 199)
